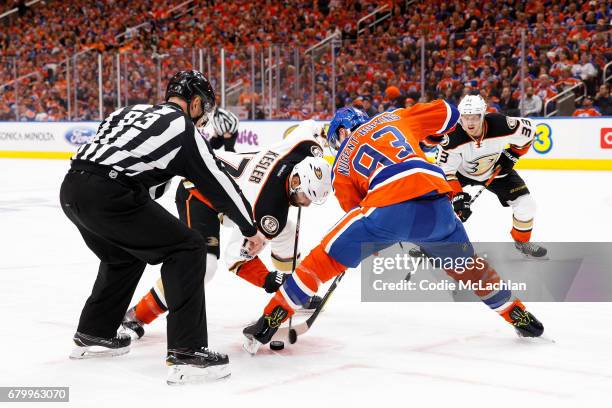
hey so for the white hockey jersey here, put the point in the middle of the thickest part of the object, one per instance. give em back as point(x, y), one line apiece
point(262, 176)
point(476, 159)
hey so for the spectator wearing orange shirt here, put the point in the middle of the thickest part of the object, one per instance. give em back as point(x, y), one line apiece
point(545, 88)
point(447, 80)
point(587, 109)
point(565, 80)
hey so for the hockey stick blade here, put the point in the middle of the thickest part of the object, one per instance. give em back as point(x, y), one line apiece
point(283, 333)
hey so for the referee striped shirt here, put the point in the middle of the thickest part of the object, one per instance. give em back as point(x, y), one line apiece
point(152, 144)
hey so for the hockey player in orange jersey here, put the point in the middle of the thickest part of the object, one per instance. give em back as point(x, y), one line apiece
point(391, 194)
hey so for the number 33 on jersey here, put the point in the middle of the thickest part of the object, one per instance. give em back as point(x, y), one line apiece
point(382, 163)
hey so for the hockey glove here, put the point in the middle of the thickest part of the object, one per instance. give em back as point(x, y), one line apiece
point(461, 206)
point(506, 161)
point(274, 280)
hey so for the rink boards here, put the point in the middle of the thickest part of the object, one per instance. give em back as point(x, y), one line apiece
point(561, 143)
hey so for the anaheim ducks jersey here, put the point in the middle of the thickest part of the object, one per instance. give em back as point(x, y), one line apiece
point(382, 163)
point(263, 176)
point(476, 159)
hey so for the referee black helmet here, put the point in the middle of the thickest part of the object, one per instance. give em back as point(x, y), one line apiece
point(188, 84)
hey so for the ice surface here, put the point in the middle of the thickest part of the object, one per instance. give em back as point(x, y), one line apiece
point(430, 354)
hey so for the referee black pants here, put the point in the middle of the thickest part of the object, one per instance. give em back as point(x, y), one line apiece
point(126, 230)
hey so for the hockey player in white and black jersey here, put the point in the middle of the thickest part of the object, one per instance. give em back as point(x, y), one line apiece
point(108, 194)
point(483, 144)
point(289, 173)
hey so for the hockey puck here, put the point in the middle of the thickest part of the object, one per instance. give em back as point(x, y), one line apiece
point(292, 336)
point(277, 345)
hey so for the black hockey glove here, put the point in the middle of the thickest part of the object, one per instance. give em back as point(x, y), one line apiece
point(461, 205)
point(274, 280)
point(506, 161)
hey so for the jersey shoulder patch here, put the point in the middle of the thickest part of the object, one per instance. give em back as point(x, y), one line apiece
point(316, 150)
point(270, 225)
point(512, 122)
point(455, 139)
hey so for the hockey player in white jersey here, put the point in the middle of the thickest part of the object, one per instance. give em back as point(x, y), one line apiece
point(290, 173)
point(485, 143)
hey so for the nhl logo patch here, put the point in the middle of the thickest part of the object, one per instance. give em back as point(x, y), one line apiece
point(512, 123)
point(316, 151)
point(269, 224)
point(318, 173)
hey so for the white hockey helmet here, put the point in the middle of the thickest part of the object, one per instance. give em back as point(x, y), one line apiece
point(315, 179)
point(472, 105)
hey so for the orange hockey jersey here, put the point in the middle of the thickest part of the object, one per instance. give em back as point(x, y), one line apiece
point(382, 163)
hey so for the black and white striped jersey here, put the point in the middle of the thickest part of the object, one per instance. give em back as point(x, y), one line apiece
point(152, 144)
point(225, 121)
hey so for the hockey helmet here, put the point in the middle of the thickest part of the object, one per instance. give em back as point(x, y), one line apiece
point(472, 105)
point(347, 117)
point(315, 179)
point(188, 84)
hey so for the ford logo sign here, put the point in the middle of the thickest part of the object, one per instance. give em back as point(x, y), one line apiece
point(79, 135)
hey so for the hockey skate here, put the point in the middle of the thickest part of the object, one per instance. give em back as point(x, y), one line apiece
point(416, 252)
point(525, 324)
point(131, 325)
point(90, 346)
point(262, 330)
point(531, 250)
point(194, 366)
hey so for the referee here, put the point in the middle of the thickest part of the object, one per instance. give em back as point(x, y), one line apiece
point(108, 194)
point(225, 126)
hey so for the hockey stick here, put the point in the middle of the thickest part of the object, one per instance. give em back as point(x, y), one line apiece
point(486, 184)
point(290, 333)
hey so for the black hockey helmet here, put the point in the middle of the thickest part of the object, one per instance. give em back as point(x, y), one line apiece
point(186, 85)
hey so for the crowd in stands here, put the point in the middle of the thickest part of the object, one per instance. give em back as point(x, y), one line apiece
point(469, 47)
point(475, 47)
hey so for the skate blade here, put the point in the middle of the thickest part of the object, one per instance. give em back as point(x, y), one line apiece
point(187, 374)
point(251, 345)
point(540, 339)
point(126, 330)
point(81, 353)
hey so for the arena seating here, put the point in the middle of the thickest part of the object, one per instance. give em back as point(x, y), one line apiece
point(469, 47)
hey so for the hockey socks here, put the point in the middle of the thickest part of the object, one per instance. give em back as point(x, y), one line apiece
point(253, 271)
point(150, 306)
point(299, 288)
